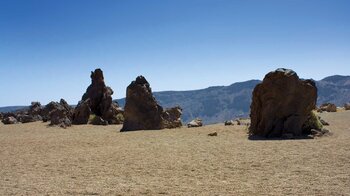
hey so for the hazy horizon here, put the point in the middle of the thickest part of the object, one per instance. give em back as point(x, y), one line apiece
point(49, 48)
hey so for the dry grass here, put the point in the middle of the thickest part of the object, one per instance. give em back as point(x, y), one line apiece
point(97, 160)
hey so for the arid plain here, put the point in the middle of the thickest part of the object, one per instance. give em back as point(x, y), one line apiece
point(100, 160)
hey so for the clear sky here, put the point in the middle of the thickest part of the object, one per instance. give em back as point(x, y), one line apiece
point(49, 47)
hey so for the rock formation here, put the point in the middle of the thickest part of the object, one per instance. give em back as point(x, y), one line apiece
point(195, 123)
point(172, 117)
point(142, 112)
point(347, 106)
point(9, 120)
point(327, 107)
point(82, 113)
point(59, 113)
point(281, 104)
point(100, 101)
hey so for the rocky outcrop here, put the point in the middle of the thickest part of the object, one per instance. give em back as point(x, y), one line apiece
point(347, 106)
point(58, 113)
point(195, 123)
point(281, 104)
point(9, 120)
point(142, 112)
point(172, 117)
point(327, 107)
point(82, 113)
point(60, 117)
point(100, 101)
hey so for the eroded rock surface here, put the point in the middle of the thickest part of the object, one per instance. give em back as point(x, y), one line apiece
point(100, 101)
point(281, 104)
point(142, 112)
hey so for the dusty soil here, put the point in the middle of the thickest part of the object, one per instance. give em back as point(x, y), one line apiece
point(97, 160)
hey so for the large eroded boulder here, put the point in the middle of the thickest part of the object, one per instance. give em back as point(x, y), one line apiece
point(100, 103)
point(142, 112)
point(281, 104)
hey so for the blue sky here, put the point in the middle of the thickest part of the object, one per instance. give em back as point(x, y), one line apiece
point(49, 47)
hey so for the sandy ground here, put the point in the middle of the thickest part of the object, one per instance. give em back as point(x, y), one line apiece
point(97, 160)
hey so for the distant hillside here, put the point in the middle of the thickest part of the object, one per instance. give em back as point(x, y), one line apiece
point(334, 89)
point(11, 108)
point(220, 103)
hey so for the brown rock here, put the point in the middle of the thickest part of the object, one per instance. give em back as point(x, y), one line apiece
point(9, 120)
point(141, 111)
point(172, 117)
point(347, 106)
point(229, 122)
point(328, 107)
point(213, 134)
point(82, 113)
point(195, 123)
point(281, 104)
point(100, 97)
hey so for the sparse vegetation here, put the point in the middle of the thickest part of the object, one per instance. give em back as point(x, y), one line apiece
point(313, 122)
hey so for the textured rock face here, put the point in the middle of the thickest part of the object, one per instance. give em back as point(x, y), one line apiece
point(172, 117)
point(347, 106)
point(281, 104)
point(60, 117)
point(328, 107)
point(195, 123)
point(9, 120)
point(82, 113)
point(100, 100)
point(59, 113)
point(141, 111)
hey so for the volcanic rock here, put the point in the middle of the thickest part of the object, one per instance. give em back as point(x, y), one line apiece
point(82, 113)
point(60, 117)
point(35, 109)
point(195, 123)
point(23, 118)
point(142, 112)
point(172, 117)
point(9, 120)
point(328, 107)
point(100, 103)
point(229, 122)
point(281, 104)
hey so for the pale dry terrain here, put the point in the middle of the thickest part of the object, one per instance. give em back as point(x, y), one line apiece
point(97, 160)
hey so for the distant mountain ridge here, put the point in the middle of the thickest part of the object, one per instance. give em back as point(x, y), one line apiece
point(219, 103)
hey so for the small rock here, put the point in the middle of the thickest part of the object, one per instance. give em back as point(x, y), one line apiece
point(213, 134)
point(229, 122)
point(323, 122)
point(195, 123)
